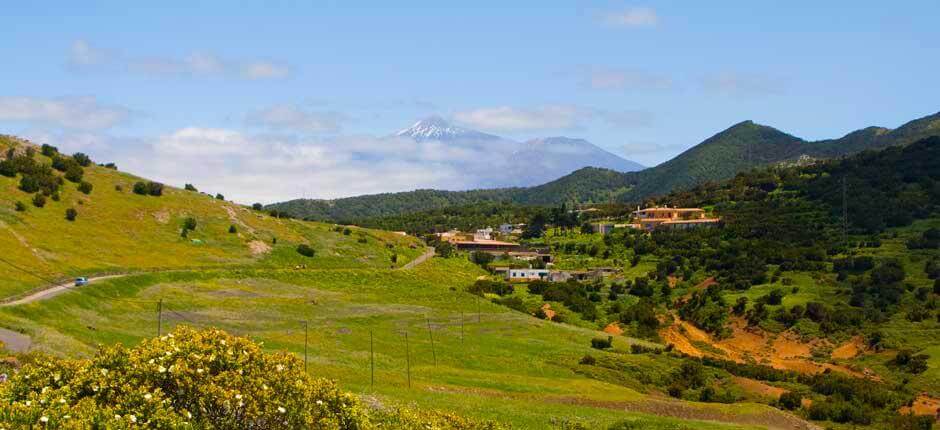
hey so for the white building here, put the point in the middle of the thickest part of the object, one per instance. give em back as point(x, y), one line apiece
point(527, 274)
point(483, 234)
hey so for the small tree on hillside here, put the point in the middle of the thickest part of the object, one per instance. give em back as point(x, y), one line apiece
point(141, 188)
point(49, 150)
point(219, 197)
point(189, 223)
point(257, 206)
point(39, 200)
point(82, 159)
point(74, 173)
point(155, 189)
point(232, 229)
point(71, 214)
point(85, 187)
point(305, 250)
point(190, 187)
point(20, 207)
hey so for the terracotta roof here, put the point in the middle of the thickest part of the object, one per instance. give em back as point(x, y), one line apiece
point(485, 242)
point(691, 221)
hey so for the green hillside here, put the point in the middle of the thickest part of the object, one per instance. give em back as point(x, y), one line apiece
point(117, 230)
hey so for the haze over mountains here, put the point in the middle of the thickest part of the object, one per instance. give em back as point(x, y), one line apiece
point(742, 146)
point(494, 161)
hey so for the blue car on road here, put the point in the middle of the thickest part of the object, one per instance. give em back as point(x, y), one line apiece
point(81, 281)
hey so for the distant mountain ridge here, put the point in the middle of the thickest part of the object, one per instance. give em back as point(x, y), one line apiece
point(740, 147)
point(437, 128)
point(485, 160)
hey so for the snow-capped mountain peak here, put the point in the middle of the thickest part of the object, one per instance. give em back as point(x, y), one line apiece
point(437, 128)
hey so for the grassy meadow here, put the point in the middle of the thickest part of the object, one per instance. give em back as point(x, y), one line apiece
point(487, 361)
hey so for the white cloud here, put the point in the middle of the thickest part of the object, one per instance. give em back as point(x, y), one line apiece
point(505, 118)
point(631, 17)
point(87, 57)
point(264, 70)
point(618, 79)
point(82, 113)
point(268, 168)
point(83, 54)
point(743, 84)
point(550, 117)
point(286, 117)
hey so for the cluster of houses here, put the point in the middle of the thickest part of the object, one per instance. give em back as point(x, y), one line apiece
point(488, 240)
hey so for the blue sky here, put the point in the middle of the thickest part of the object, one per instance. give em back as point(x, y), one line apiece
point(278, 100)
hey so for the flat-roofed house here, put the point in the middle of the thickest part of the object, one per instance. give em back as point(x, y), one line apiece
point(525, 275)
point(665, 217)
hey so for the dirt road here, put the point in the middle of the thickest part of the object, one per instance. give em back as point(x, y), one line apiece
point(54, 291)
point(421, 259)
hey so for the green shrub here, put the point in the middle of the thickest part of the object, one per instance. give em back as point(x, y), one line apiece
point(155, 189)
point(82, 159)
point(71, 214)
point(257, 206)
point(39, 200)
point(20, 207)
point(48, 150)
point(484, 286)
point(305, 250)
point(219, 197)
point(74, 173)
point(190, 187)
point(588, 359)
point(85, 187)
point(347, 231)
point(189, 223)
point(56, 197)
point(141, 188)
point(232, 229)
point(511, 302)
point(790, 400)
point(602, 343)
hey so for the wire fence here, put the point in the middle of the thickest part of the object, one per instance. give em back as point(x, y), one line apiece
point(389, 352)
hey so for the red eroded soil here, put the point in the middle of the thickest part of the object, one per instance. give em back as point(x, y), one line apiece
point(781, 351)
point(850, 349)
point(923, 405)
point(613, 328)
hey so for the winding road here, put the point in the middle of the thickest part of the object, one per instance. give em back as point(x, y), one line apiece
point(55, 290)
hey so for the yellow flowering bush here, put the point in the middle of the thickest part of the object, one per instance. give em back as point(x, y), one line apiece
point(186, 379)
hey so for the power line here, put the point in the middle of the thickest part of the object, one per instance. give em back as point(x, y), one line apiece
point(28, 272)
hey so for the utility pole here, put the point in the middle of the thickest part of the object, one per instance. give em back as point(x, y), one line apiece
point(371, 360)
point(478, 309)
point(159, 317)
point(305, 345)
point(407, 359)
point(431, 336)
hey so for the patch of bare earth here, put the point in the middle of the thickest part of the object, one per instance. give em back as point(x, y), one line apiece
point(758, 388)
point(781, 351)
point(850, 349)
point(923, 405)
point(549, 313)
point(258, 247)
point(614, 329)
point(233, 217)
point(162, 216)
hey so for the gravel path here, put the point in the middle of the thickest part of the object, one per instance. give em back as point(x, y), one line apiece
point(54, 291)
point(421, 259)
